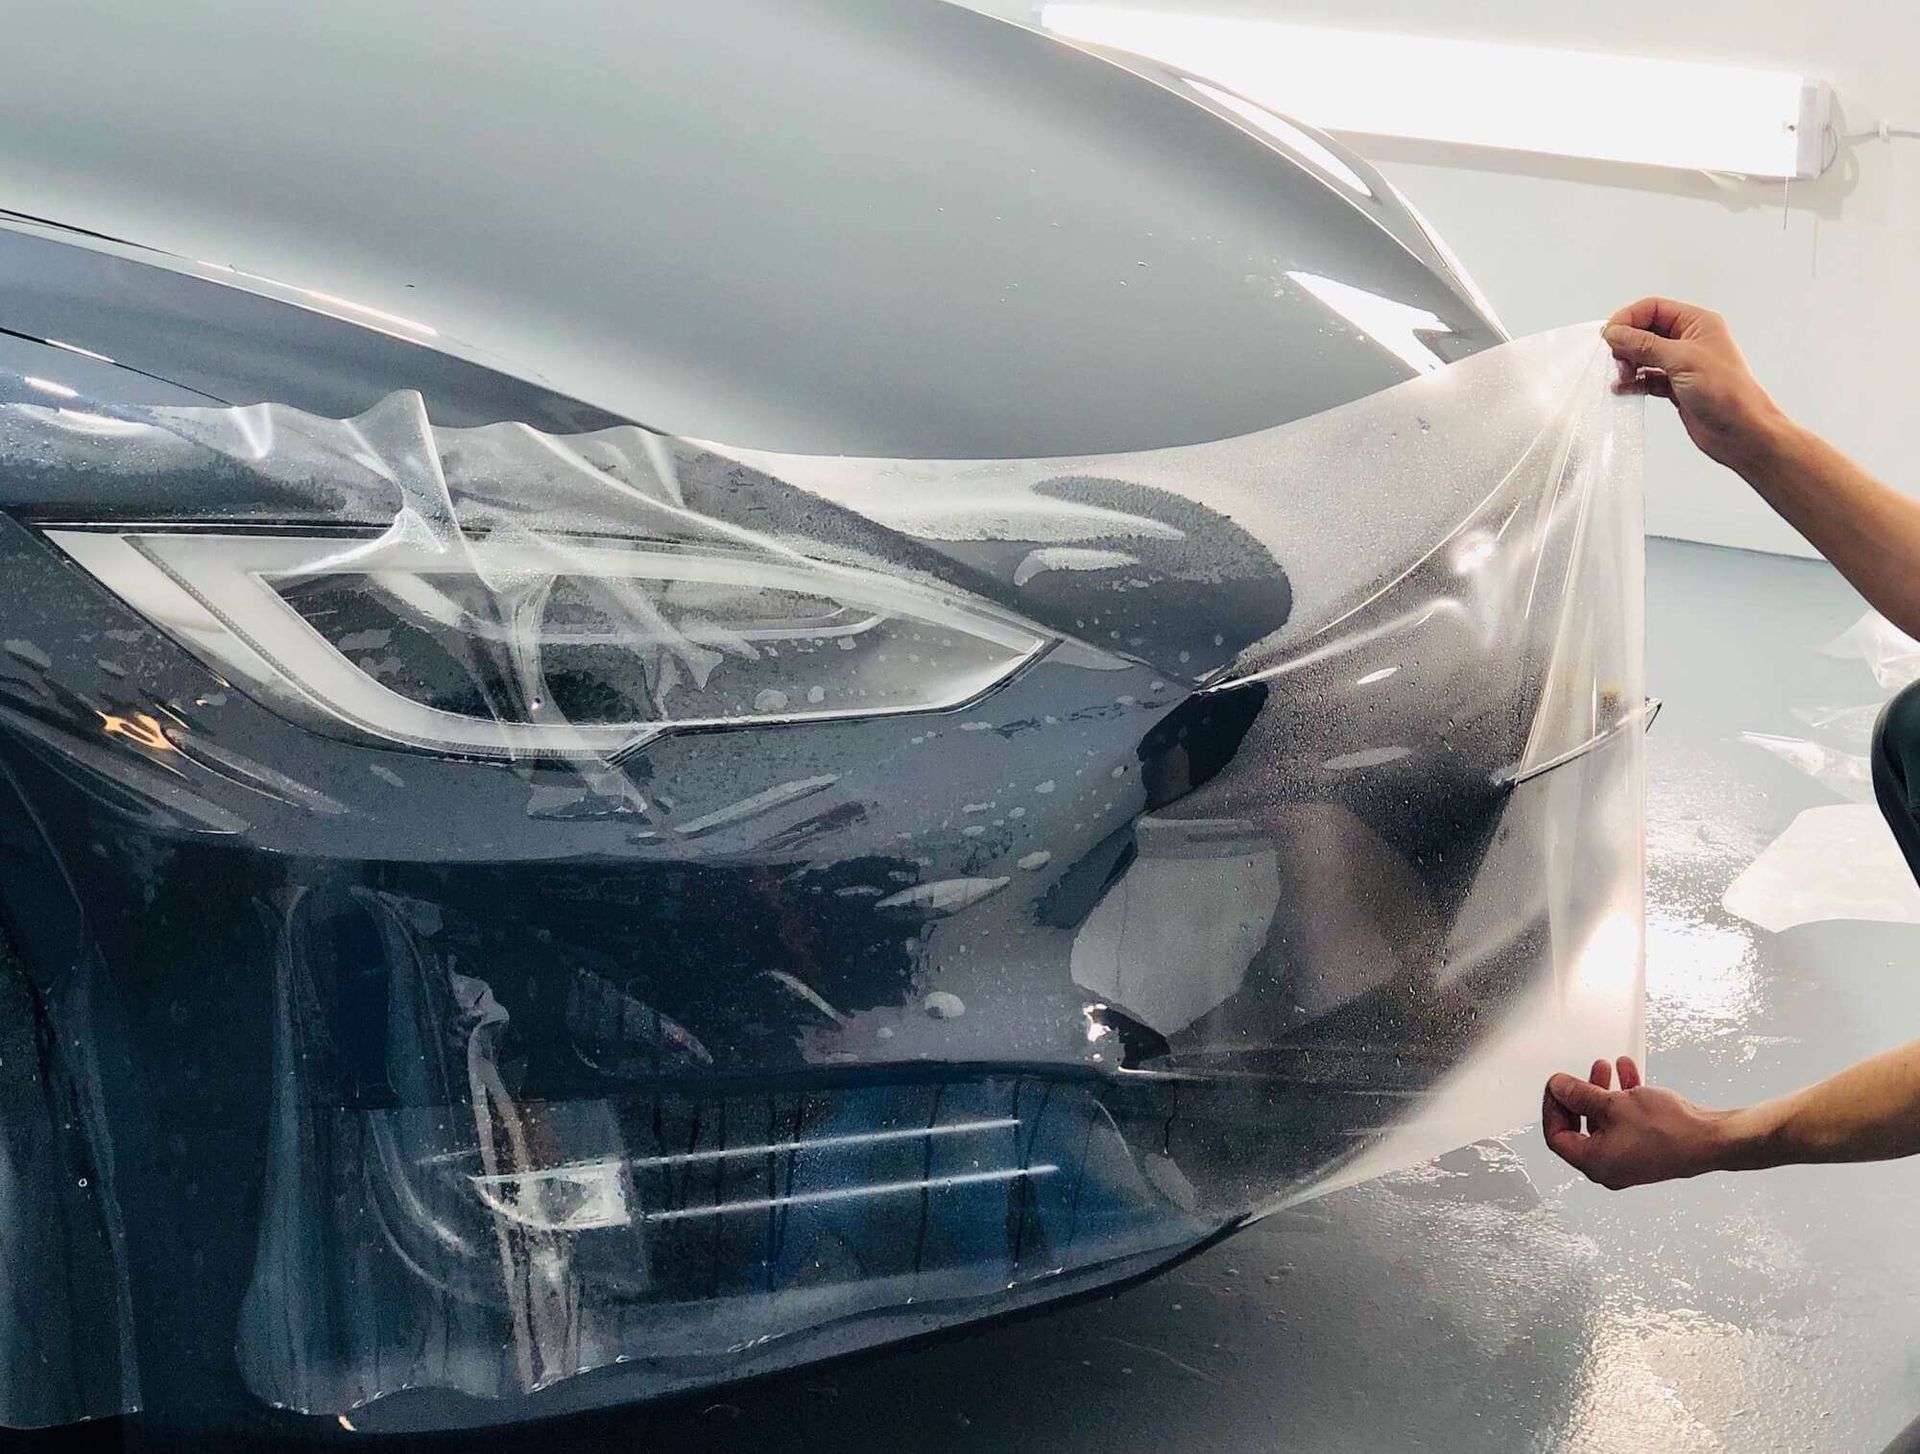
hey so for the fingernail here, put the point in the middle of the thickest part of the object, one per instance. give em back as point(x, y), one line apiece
point(1613, 333)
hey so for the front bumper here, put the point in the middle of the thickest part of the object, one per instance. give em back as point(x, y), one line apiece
point(423, 1089)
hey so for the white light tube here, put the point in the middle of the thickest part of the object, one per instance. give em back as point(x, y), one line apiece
point(1687, 114)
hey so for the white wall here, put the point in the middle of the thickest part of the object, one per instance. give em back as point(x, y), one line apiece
point(1822, 284)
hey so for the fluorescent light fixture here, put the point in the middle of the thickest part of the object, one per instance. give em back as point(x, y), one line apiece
point(1687, 114)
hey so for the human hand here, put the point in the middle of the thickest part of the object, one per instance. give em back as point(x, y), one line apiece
point(1684, 353)
point(1635, 1135)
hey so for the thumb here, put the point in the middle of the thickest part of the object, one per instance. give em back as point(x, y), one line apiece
point(1642, 349)
point(1582, 1097)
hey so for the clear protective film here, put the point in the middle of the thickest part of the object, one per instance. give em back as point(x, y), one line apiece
point(572, 918)
point(1837, 861)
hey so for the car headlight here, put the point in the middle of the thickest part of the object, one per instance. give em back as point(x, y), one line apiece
point(506, 638)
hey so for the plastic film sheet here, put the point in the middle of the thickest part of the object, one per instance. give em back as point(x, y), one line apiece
point(1837, 862)
point(1889, 653)
point(568, 919)
point(1837, 754)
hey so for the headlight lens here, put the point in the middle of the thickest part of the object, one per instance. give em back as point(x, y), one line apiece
point(526, 643)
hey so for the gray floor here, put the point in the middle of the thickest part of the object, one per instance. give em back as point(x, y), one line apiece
point(1492, 1302)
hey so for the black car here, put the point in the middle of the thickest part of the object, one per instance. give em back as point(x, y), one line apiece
point(510, 905)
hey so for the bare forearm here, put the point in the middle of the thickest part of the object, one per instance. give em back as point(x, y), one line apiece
point(1871, 532)
point(1868, 1112)
point(1866, 528)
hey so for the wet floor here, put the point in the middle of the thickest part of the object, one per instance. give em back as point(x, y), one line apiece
point(1492, 1302)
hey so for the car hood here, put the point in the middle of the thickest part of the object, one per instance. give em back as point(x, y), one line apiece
point(862, 227)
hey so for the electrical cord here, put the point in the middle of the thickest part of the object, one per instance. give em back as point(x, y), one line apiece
point(1885, 132)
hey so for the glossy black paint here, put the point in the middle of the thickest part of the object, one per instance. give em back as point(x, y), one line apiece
point(175, 337)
